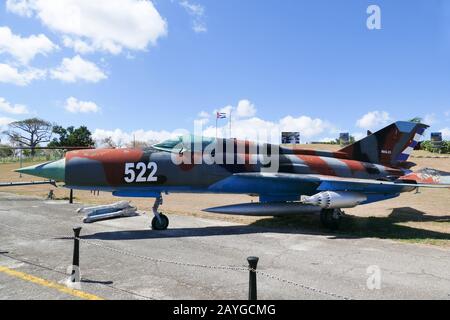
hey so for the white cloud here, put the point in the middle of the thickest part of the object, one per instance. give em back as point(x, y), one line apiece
point(226, 110)
point(9, 74)
point(430, 119)
point(245, 109)
point(104, 25)
point(72, 70)
point(78, 45)
point(21, 7)
point(74, 105)
point(359, 135)
point(192, 8)
point(4, 121)
point(445, 133)
point(24, 49)
point(374, 120)
point(308, 127)
point(245, 125)
point(121, 137)
point(197, 11)
point(7, 107)
point(203, 118)
point(203, 114)
point(258, 129)
point(199, 27)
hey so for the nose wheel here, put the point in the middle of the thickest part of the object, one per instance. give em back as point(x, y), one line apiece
point(159, 221)
point(160, 224)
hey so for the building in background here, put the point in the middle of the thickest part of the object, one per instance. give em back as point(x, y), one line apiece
point(344, 138)
point(436, 140)
point(290, 137)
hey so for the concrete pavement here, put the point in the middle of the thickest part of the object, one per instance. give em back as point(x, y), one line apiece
point(326, 262)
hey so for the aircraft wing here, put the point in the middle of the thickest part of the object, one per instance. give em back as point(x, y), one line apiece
point(333, 183)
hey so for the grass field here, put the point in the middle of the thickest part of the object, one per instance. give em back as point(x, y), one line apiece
point(416, 218)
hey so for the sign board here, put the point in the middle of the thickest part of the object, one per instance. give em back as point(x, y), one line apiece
point(344, 138)
point(436, 136)
point(290, 137)
point(436, 140)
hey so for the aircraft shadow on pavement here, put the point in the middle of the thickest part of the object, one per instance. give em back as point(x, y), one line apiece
point(389, 227)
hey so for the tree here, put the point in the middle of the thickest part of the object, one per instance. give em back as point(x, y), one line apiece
point(71, 137)
point(29, 133)
point(138, 144)
point(6, 151)
point(108, 142)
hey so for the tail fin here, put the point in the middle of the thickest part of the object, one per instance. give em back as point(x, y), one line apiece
point(389, 146)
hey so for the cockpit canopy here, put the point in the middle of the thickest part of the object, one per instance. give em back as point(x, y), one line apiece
point(184, 143)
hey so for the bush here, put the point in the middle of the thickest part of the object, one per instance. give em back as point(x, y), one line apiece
point(429, 146)
point(5, 151)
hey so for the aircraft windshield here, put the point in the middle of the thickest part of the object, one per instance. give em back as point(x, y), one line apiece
point(184, 143)
point(169, 145)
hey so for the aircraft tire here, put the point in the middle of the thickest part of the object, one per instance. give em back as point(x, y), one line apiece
point(331, 218)
point(157, 225)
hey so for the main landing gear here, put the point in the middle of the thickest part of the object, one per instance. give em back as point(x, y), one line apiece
point(159, 221)
point(331, 218)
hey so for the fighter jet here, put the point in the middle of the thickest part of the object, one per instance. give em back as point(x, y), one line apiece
point(286, 180)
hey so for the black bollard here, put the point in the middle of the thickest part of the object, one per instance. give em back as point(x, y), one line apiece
point(75, 276)
point(71, 196)
point(252, 264)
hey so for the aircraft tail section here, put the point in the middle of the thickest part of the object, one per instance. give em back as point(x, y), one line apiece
point(389, 146)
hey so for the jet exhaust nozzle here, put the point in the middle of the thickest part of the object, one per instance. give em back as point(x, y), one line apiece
point(335, 199)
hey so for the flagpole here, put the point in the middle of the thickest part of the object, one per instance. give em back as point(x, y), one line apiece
point(230, 123)
point(216, 126)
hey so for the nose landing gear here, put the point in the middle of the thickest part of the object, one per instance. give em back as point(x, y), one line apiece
point(159, 221)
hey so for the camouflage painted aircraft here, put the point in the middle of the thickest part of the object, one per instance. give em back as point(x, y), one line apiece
point(287, 180)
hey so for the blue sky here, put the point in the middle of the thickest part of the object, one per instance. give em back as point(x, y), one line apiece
point(152, 68)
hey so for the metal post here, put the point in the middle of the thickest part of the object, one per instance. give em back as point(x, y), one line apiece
point(20, 156)
point(71, 196)
point(252, 263)
point(75, 276)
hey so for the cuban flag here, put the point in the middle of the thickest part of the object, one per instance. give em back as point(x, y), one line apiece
point(221, 115)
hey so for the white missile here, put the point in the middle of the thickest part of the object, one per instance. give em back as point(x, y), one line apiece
point(335, 199)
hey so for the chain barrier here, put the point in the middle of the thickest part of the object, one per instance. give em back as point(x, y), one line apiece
point(296, 284)
point(157, 260)
point(27, 235)
point(234, 268)
point(187, 264)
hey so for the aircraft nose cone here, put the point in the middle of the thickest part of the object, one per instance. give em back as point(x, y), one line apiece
point(54, 170)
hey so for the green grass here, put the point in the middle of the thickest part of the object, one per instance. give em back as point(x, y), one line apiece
point(5, 160)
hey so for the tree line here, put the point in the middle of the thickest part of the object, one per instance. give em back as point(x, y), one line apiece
point(35, 132)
